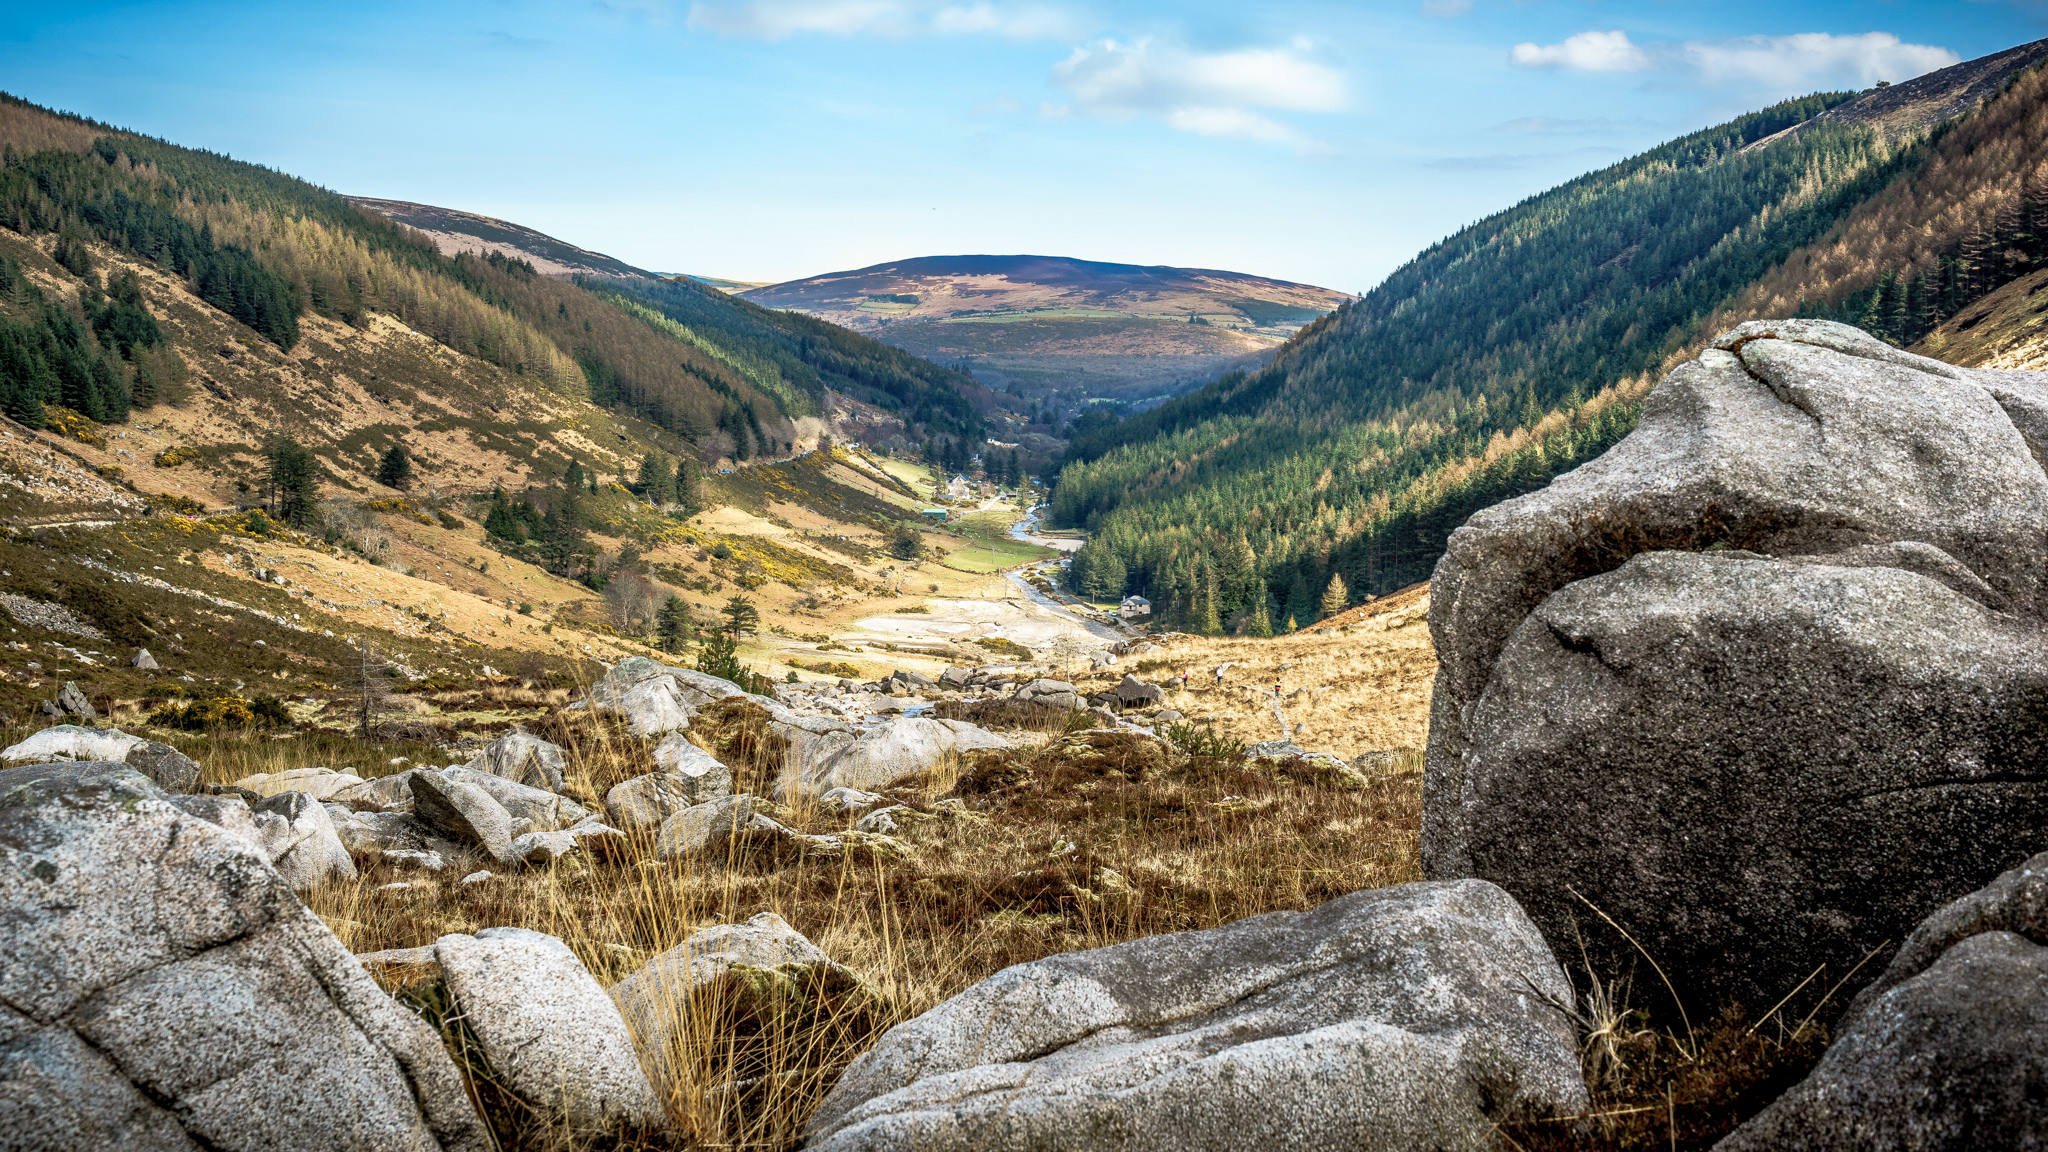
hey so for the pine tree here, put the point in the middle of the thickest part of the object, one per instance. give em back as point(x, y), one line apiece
point(689, 485)
point(1262, 617)
point(673, 625)
point(1336, 597)
point(741, 617)
point(654, 484)
point(292, 481)
point(1299, 605)
point(395, 469)
point(502, 522)
point(1207, 622)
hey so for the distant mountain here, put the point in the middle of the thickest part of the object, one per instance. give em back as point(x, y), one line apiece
point(1041, 322)
point(454, 231)
point(1521, 346)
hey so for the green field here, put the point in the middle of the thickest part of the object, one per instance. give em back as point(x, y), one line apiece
point(990, 547)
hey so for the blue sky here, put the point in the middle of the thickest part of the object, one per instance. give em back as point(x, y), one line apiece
point(773, 139)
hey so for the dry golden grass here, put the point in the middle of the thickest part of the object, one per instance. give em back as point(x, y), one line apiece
point(1075, 840)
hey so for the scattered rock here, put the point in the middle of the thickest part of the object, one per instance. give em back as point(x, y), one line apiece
point(688, 775)
point(164, 989)
point(847, 799)
point(1168, 716)
point(1056, 694)
point(1132, 690)
point(523, 758)
point(169, 768)
point(655, 1001)
point(319, 783)
point(391, 793)
point(955, 678)
point(72, 702)
point(547, 1028)
point(476, 877)
point(143, 660)
point(1274, 750)
point(462, 812)
point(884, 820)
point(1407, 1017)
point(892, 752)
point(703, 826)
point(656, 698)
point(300, 840)
point(541, 808)
point(599, 840)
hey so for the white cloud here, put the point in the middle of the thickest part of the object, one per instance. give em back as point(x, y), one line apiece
point(1777, 64)
point(779, 19)
point(1585, 52)
point(1208, 93)
point(1809, 59)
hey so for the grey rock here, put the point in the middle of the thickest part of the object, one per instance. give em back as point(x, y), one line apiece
point(1132, 690)
point(143, 661)
point(1788, 438)
point(299, 838)
point(391, 793)
point(702, 827)
point(1274, 750)
point(319, 783)
point(646, 802)
point(1951, 1059)
point(543, 809)
point(812, 743)
point(72, 701)
point(2015, 902)
point(49, 708)
point(171, 769)
point(656, 698)
point(892, 752)
point(548, 1029)
point(372, 832)
point(160, 987)
point(1168, 716)
point(1407, 1017)
point(523, 758)
point(1049, 693)
point(655, 1001)
point(462, 812)
point(1786, 764)
point(600, 840)
point(955, 678)
point(847, 799)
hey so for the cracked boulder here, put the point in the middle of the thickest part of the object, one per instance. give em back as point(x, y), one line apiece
point(1395, 1018)
point(1947, 1051)
point(888, 754)
point(161, 988)
point(523, 758)
point(170, 769)
point(547, 1028)
point(657, 698)
point(1765, 684)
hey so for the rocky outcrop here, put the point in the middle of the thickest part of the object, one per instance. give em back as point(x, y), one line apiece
point(893, 752)
point(523, 758)
point(541, 809)
point(688, 775)
point(1408, 1017)
point(168, 768)
point(300, 840)
point(160, 987)
point(1132, 691)
point(703, 827)
point(655, 1001)
point(1055, 694)
point(1765, 682)
point(1947, 1050)
point(462, 812)
point(589, 837)
point(547, 1028)
point(656, 698)
point(319, 783)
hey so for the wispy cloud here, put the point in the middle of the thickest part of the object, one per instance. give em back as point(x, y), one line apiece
point(1794, 63)
point(779, 19)
point(1208, 93)
point(1814, 57)
point(1585, 52)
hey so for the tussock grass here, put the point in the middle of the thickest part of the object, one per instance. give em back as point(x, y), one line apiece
point(1070, 841)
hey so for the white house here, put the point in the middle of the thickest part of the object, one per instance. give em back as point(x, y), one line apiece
point(1135, 606)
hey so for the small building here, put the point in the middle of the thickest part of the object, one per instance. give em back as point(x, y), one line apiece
point(934, 513)
point(1135, 606)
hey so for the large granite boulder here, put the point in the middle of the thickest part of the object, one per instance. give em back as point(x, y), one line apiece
point(547, 1028)
point(462, 812)
point(1054, 694)
point(1764, 683)
point(300, 840)
point(656, 1001)
point(161, 988)
point(657, 698)
point(541, 809)
point(1133, 691)
point(319, 783)
point(1947, 1051)
point(686, 775)
point(170, 769)
point(523, 758)
point(1410, 1017)
point(892, 752)
point(703, 827)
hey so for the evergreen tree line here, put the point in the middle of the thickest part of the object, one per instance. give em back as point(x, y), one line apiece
point(99, 358)
point(1497, 358)
point(548, 527)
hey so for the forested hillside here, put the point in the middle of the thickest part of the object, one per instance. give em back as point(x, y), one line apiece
point(268, 249)
point(1515, 349)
